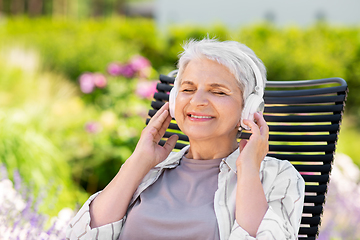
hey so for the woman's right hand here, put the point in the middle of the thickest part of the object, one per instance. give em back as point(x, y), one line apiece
point(106, 207)
point(147, 150)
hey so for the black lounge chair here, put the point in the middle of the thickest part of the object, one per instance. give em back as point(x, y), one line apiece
point(304, 119)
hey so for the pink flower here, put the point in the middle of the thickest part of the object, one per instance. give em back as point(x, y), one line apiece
point(93, 127)
point(87, 84)
point(99, 80)
point(139, 62)
point(146, 89)
point(114, 69)
point(128, 71)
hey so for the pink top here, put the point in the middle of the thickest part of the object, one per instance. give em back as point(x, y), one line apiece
point(179, 205)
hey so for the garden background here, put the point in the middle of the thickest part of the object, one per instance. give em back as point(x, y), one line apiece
point(75, 91)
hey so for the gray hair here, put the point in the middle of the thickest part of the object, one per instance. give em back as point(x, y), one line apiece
point(229, 54)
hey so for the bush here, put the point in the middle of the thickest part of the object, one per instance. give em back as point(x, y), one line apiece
point(74, 47)
point(96, 131)
point(318, 52)
point(29, 103)
point(87, 136)
point(121, 96)
point(39, 162)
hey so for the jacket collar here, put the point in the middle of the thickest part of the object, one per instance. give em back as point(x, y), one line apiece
point(230, 161)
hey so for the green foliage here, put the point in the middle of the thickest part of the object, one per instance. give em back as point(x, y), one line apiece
point(111, 136)
point(46, 107)
point(178, 35)
point(72, 48)
point(24, 143)
point(349, 139)
point(39, 162)
point(318, 52)
point(58, 117)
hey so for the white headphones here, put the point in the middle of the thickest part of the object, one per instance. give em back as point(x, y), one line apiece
point(253, 103)
point(172, 97)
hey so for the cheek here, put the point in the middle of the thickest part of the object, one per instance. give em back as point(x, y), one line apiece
point(231, 110)
point(179, 106)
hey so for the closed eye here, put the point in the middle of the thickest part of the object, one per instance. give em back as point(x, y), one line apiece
point(187, 90)
point(219, 93)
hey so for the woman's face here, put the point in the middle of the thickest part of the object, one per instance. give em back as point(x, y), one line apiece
point(209, 102)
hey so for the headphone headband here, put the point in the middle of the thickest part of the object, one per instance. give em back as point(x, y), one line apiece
point(259, 83)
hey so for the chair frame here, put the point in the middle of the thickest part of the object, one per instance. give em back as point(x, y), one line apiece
point(304, 120)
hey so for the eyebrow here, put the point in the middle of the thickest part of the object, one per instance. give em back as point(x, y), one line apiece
point(218, 85)
point(187, 82)
point(211, 85)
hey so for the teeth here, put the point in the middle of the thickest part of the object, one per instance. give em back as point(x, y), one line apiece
point(195, 116)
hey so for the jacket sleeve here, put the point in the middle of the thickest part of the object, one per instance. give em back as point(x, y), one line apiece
point(285, 197)
point(79, 227)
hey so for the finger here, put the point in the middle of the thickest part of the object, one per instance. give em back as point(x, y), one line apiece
point(260, 121)
point(170, 143)
point(242, 144)
point(161, 124)
point(254, 128)
point(165, 125)
point(160, 116)
point(159, 112)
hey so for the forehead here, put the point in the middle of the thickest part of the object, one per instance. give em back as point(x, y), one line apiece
point(203, 70)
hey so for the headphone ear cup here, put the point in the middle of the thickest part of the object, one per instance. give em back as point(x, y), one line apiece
point(172, 97)
point(254, 103)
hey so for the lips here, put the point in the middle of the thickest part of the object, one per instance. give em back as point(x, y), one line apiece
point(197, 116)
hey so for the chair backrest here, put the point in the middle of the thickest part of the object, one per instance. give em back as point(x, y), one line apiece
point(304, 120)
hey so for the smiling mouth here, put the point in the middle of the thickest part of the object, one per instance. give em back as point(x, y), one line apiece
point(200, 117)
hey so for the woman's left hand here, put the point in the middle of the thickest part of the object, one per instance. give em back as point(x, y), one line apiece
point(251, 203)
point(254, 150)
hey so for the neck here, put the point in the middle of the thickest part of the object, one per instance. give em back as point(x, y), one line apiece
point(204, 150)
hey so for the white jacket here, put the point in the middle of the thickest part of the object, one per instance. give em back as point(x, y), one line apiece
point(283, 186)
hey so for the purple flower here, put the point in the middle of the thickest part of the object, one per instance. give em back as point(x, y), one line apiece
point(20, 218)
point(93, 127)
point(139, 62)
point(341, 218)
point(146, 89)
point(99, 80)
point(17, 180)
point(3, 172)
point(114, 69)
point(87, 83)
point(128, 71)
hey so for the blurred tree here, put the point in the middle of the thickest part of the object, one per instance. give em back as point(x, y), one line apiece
point(98, 7)
point(35, 7)
point(60, 7)
point(17, 7)
point(65, 8)
point(107, 7)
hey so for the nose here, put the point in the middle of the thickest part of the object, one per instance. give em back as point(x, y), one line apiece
point(199, 98)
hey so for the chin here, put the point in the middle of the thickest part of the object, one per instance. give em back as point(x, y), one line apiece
point(198, 134)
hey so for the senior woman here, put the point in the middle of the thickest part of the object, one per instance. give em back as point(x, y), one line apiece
point(215, 188)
